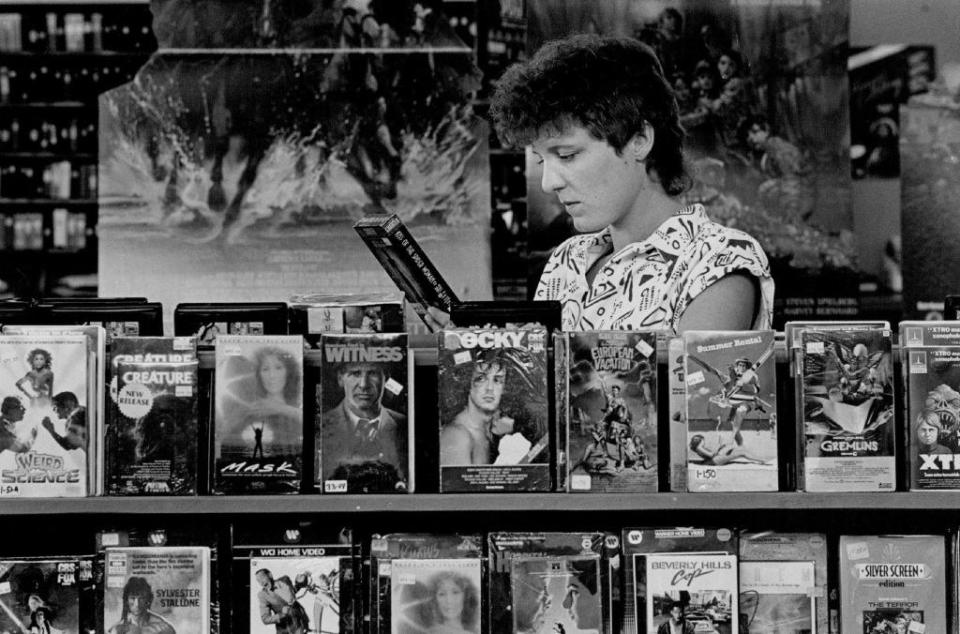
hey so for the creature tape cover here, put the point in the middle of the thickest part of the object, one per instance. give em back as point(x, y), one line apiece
point(698, 590)
point(731, 411)
point(43, 416)
point(40, 596)
point(493, 404)
point(121, 436)
point(778, 596)
point(156, 432)
point(436, 595)
point(893, 583)
point(847, 401)
point(611, 410)
point(258, 430)
point(163, 590)
point(363, 429)
point(552, 594)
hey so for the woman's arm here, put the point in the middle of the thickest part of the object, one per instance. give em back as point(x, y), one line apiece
point(730, 303)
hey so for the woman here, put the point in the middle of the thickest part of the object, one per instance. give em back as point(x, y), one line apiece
point(602, 121)
point(37, 383)
point(452, 607)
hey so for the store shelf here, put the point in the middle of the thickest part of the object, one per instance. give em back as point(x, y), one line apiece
point(87, 3)
point(10, 258)
point(73, 54)
point(77, 156)
point(66, 105)
point(48, 201)
point(250, 52)
point(520, 503)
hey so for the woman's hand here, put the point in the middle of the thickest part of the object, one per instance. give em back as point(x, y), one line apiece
point(436, 319)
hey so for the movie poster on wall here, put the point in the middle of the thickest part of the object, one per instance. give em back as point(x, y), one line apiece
point(763, 95)
point(929, 140)
point(233, 166)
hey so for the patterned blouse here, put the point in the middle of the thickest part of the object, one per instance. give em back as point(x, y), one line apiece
point(648, 284)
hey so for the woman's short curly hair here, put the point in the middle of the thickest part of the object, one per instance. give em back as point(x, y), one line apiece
point(609, 85)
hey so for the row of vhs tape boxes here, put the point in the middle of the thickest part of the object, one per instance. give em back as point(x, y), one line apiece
point(599, 414)
point(311, 578)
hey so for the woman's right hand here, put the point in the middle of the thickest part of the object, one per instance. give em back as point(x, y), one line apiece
point(436, 319)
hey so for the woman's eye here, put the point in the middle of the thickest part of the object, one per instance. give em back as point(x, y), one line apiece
point(566, 157)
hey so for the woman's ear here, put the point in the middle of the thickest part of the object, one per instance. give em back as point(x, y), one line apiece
point(641, 144)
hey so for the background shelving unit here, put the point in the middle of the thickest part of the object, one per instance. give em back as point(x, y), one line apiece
point(51, 75)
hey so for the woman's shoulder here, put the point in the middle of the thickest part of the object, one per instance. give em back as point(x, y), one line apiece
point(723, 237)
point(725, 250)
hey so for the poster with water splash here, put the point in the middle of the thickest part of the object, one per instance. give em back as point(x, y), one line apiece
point(779, 64)
point(231, 174)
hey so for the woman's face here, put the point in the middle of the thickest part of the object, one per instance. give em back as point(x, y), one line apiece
point(597, 185)
point(449, 600)
point(38, 361)
point(273, 374)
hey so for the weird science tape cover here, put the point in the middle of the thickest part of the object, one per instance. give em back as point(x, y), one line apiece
point(44, 436)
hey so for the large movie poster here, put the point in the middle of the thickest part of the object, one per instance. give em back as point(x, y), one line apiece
point(234, 165)
point(929, 147)
point(762, 88)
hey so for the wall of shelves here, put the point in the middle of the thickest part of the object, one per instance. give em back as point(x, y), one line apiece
point(56, 58)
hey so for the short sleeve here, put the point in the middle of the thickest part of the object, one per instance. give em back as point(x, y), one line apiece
point(729, 251)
